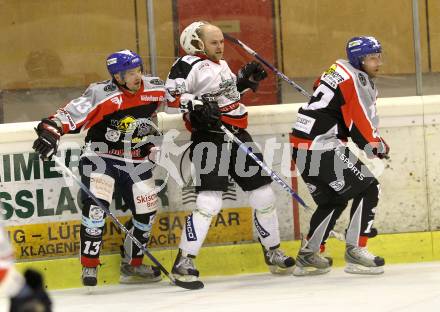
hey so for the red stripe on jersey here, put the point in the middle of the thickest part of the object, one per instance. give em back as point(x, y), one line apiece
point(352, 110)
point(109, 107)
point(229, 108)
point(240, 122)
point(300, 143)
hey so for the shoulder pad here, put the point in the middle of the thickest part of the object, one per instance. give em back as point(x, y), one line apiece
point(153, 82)
point(190, 59)
point(334, 76)
point(101, 90)
point(183, 66)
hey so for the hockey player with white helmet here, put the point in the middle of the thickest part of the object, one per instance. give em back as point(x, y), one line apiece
point(119, 115)
point(343, 105)
point(202, 86)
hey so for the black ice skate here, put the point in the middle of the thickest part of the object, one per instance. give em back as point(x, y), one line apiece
point(89, 276)
point(139, 274)
point(277, 261)
point(309, 262)
point(360, 261)
point(184, 268)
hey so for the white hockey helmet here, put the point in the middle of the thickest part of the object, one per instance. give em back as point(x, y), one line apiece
point(189, 34)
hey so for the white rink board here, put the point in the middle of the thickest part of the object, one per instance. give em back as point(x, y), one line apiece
point(410, 188)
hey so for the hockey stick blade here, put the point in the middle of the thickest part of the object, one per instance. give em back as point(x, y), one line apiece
point(194, 285)
point(187, 285)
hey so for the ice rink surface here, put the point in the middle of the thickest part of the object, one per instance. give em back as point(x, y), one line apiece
point(410, 287)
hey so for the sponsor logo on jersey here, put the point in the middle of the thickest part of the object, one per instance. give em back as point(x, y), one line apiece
point(144, 129)
point(178, 89)
point(332, 77)
point(191, 235)
point(263, 233)
point(362, 79)
point(127, 124)
point(350, 165)
point(228, 89)
point(337, 185)
point(230, 107)
point(157, 82)
point(93, 231)
point(203, 65)
point(110, 87)
point(304, 123)
point(112, 135)
point(72, 125)
point(152, 98)
point(117, 100)
point(96, 213)
point(311, 188)
point(331, 70)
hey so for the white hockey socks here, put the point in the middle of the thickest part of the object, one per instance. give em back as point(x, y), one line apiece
point(208, 204)
point(265, 216)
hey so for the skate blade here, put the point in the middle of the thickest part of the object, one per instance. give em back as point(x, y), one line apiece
point(306, 271)
point(186, 278)
point(353, 268)
point(276, 270)
point(90, 289)
point(138, 280)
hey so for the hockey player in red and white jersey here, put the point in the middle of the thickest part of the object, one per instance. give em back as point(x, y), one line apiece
point(202, 86)
point(343, 105)
point(26, 292)
point(119, 115)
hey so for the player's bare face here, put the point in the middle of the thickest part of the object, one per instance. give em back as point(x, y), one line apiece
point(132, 79)
point(372, 63)
point(214, 43)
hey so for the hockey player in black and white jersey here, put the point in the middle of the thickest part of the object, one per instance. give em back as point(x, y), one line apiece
point(342, 106)
point(119, 115)
point(202, 86)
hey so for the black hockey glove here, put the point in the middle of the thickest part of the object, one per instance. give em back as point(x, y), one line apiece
point(32, 296)
point(207, 114)
point(249, 76)
point(48, 138)
point(381, 150)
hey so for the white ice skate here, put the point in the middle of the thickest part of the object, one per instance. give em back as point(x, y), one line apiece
point(89, 276)
point(360, 261)
point(139, 274)
point(309, 262)
point(278, 262)
point(184, 268)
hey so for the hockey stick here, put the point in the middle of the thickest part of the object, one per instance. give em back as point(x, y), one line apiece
point(183, 284)
point(263, 166)
point(270, 66)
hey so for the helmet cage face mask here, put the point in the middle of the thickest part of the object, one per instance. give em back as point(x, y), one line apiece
point(189, 36)
point(359, 47)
